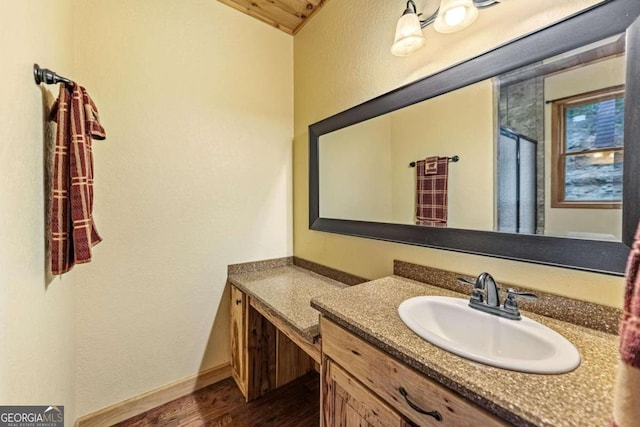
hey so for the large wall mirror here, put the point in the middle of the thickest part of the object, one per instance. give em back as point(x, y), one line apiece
point(529, 152)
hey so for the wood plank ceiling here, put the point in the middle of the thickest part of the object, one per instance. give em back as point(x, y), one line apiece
point(287, 15)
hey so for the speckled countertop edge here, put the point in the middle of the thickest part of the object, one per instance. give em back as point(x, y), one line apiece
point(582, 397)
point(271, 271)
point(254, 266)
point(332, 273)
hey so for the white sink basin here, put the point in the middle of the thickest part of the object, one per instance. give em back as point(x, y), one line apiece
point(519, 345)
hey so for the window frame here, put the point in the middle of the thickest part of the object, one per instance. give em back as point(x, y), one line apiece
point(558, 145)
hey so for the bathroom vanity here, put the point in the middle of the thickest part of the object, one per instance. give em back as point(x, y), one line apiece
point(275, 335)
point(376, 371)
point(372, 348)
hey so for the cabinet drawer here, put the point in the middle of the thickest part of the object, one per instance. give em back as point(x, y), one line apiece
point(385, 376)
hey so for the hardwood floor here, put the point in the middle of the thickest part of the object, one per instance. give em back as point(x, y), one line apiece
point(294, 405)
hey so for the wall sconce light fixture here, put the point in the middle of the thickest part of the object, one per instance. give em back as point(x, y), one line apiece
point(451, 16)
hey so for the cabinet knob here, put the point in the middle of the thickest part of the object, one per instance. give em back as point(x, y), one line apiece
point(238, 301)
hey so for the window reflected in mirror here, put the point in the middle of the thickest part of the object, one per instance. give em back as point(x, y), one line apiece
point(588, 141)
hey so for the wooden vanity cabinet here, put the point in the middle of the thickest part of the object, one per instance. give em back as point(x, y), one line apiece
point(238, 314)
point(265, 352)
point(363, 386)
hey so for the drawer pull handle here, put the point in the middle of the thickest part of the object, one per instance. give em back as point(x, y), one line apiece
point(434, 414)
point(238, 301)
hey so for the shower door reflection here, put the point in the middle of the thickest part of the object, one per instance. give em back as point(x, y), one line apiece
point(516, 183)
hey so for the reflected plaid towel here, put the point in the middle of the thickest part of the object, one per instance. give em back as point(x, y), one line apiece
point(431, 191)
point(73, 232)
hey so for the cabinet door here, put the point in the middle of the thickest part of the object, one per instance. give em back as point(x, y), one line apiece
point(347, 403)
point(237, 309)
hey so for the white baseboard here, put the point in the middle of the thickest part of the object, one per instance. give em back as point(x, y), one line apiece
point(142, 403)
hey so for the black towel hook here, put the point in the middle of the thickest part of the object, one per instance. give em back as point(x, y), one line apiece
point(44, 75)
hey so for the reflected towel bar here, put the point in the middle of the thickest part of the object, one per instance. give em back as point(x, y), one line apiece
point(44, 75)
point(453, 159)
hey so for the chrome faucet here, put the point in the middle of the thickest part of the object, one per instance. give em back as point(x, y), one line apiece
point(486, 297)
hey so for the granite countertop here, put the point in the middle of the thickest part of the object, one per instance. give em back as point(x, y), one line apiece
point(583, 397)
point(287, 292)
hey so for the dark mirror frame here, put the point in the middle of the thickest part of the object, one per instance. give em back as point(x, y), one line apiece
point(591, 25)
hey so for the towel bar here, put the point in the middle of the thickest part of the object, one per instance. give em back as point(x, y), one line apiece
point(453, 159)
point(44, 75)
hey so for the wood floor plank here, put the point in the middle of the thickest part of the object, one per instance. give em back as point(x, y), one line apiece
point(219, 405)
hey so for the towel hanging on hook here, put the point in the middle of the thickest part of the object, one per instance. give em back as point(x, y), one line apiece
point(44, 75)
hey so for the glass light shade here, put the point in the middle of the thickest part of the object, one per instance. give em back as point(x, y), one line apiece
point(455, 15)
point(408, 35)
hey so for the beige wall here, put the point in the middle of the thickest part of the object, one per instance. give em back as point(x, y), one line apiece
point(359, 155)
point(341, 61)
point(37, 323)
point(439, 127)
point(562, 221)
point(195, 174)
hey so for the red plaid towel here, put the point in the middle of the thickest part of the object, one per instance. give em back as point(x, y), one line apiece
point(627, 398)
point(431, 191)
point(73, 232)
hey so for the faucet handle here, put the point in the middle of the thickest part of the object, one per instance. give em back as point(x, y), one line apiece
point(510, 303)
point(524, 295)
point(464, 281)
point(477, 294)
